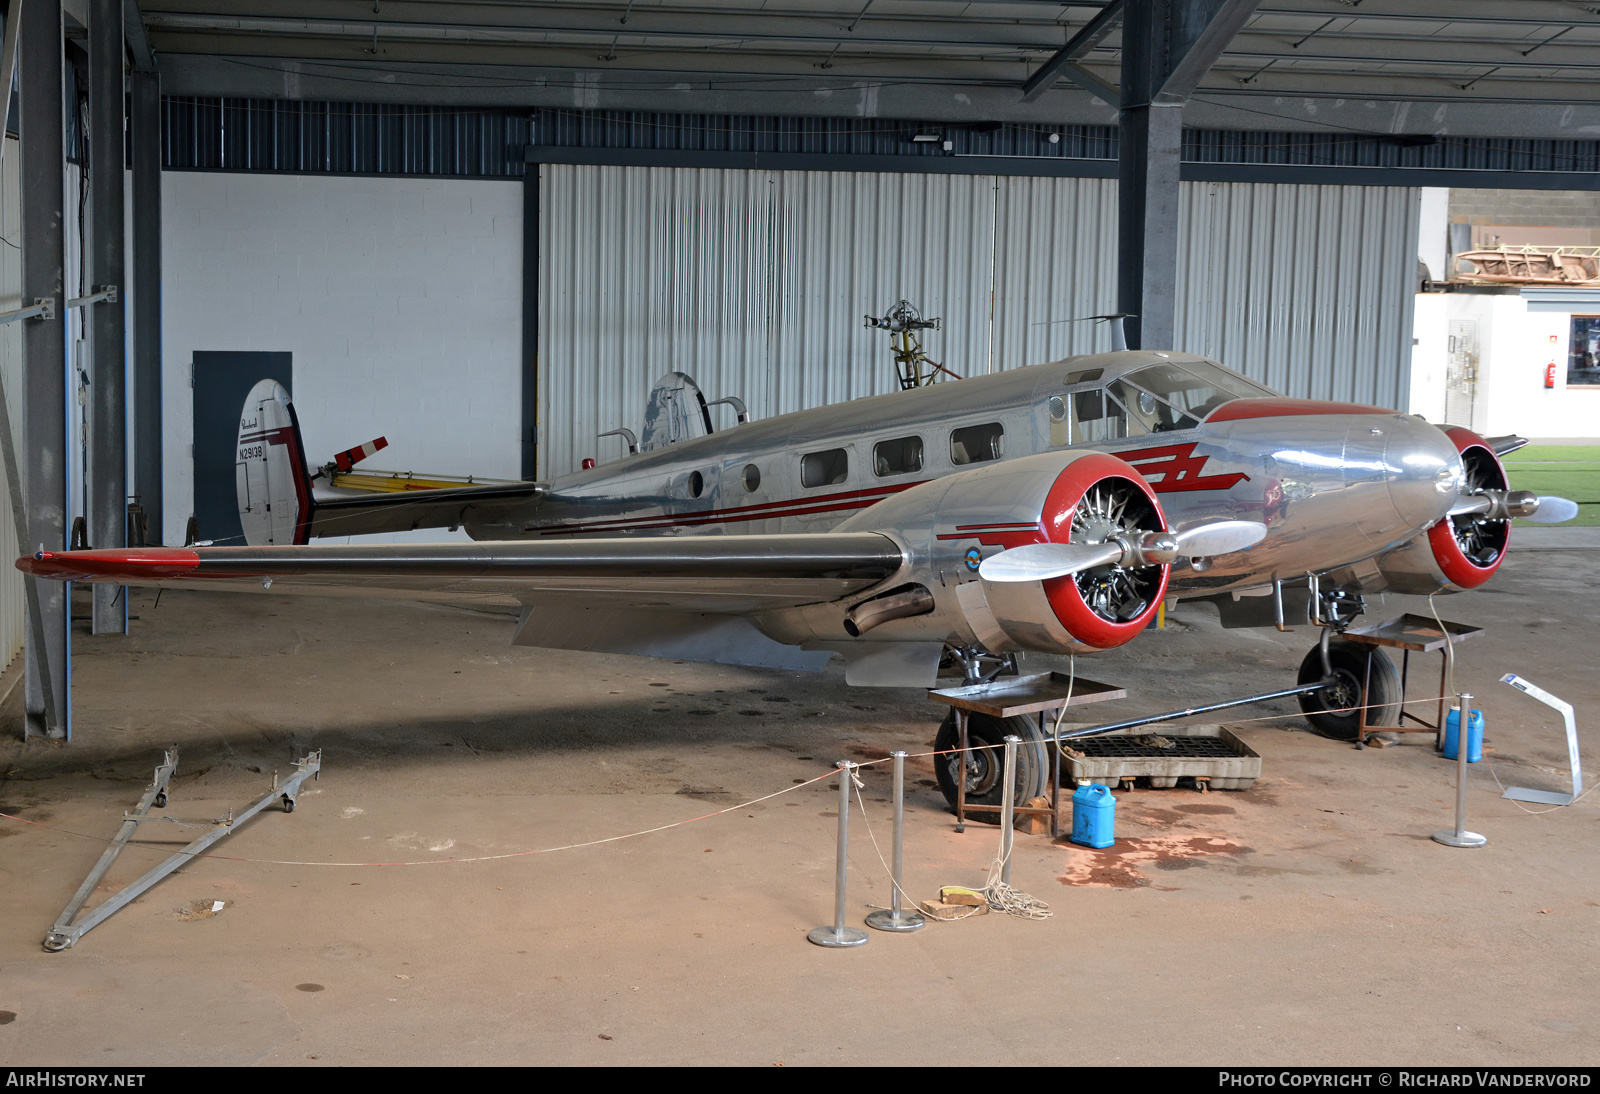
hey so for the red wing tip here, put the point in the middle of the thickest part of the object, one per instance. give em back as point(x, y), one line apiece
point(129, 566)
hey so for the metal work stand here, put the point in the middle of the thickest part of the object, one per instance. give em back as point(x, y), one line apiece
point(1039, 695)
point(1410, 633)
point(65, 933)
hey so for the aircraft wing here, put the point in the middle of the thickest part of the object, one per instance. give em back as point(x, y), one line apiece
point(707, 574)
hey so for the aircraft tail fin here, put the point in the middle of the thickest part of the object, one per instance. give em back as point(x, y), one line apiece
point(270, 472)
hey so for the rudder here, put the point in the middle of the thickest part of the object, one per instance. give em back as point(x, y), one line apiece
point(270, 474)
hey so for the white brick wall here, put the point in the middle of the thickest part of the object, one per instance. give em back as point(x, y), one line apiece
point(401, 300)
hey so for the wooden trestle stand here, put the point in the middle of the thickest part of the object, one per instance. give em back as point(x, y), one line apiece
point(1410, 633)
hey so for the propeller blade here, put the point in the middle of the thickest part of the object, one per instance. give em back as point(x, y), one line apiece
point(1469, 503)
point(1553, 510)
point(1043, 561)
point(1222, 537)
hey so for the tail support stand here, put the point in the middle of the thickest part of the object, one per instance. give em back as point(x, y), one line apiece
point(895, 918)
point(839, 935)
point(65, 933)
point(1461, 837)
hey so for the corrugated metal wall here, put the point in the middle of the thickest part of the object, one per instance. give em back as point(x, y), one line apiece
point(1308, 289)
point(13, 608)
point(755, 282)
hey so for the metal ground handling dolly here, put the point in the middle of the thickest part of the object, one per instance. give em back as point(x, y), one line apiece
point(65, 933)
point(1040, 694)
point(1410, 633)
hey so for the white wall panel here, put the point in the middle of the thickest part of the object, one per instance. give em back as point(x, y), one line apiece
point(400, 299)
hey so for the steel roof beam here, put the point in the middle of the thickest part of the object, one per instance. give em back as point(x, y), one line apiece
point(133, 34)
point(1064, 63)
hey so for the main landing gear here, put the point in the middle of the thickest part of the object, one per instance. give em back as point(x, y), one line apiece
point(1351, 669)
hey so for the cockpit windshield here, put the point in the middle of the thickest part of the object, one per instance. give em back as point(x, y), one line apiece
point(1170, 396)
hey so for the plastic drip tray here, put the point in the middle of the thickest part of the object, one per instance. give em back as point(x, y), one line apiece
point(1162, 755)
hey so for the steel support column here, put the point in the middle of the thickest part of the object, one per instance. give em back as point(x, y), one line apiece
point(1167, 46)
point(44, 347)
point(145, 122)
point(108, 429)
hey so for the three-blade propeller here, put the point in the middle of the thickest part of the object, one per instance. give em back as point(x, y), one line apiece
point(1043, 561)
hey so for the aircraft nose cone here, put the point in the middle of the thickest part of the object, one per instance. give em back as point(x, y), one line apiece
point(1425, 472)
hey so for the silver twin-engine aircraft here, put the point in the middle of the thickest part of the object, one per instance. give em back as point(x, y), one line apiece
point(1051, 508)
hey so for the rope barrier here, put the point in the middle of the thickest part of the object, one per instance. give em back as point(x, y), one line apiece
point(647, 831)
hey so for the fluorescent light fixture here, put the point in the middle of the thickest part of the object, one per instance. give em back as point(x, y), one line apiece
point(925, 138)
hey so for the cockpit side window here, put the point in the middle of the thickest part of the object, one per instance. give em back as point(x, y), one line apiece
point(1098, 416)
point(1172, 396)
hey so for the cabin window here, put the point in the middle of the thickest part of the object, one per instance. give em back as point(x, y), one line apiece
point(1060, 423)
point(977, 443)
point(752, 477)
point(828, 468)
point(901, 456)
point(697, 484)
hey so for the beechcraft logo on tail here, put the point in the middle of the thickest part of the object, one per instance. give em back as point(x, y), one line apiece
point(1175, 467)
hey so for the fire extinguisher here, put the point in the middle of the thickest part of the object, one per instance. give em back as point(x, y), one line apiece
point(1550, 375)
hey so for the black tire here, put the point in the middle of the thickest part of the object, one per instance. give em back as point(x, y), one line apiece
point(288, 804)
point(986, 772)
point(1349, 662)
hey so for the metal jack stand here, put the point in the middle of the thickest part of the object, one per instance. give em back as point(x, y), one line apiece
point(1039, 695)
point(65, 933)
point(1411, 634)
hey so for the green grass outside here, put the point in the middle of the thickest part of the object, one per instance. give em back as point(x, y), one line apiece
point(1568, 470)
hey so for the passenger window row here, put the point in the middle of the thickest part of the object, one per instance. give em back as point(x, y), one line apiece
point(903, 455)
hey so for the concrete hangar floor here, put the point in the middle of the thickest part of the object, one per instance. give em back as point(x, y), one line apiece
point(1307, 920)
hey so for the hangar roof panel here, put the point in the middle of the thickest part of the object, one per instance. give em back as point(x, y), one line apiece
point(1494, 68)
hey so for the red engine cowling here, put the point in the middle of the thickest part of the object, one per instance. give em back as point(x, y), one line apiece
point(953, 523)
point(1458, 552)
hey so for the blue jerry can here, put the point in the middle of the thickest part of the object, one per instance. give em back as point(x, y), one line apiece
point(1094, 816)
point(1474, 735)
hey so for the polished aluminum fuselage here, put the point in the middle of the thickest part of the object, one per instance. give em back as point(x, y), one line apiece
point(1334, 488)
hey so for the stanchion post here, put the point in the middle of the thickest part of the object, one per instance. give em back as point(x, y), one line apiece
point(896, 918)
point(1007, 803)
point(838, 934)
point(1460, 837)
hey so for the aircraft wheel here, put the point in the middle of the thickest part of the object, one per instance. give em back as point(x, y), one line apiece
point(288, 804)
point(986, 769)
point(1325, 709)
